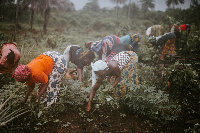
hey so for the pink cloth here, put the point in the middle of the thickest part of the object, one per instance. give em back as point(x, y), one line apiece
point(5, 51)
point(21, 73)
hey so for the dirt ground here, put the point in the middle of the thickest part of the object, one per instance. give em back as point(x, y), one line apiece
point(105, 120)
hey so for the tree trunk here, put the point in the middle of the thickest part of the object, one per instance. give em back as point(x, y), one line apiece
point(46, 16)
point(32, 16)
point(32, 13)
point(16, 17)
point(117, 9)
point(129, 9)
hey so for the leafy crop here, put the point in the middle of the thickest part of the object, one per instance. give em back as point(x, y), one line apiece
point(153, 98)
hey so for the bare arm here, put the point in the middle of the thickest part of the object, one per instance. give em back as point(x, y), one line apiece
point(95, 88)
point(117, 78)
point(42, 89)
point(29, 89)
point(71, 71)
point(80, 74)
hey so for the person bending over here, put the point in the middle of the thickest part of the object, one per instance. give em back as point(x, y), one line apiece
point(123, 66)
point(47, 69)
point(79, 57)
point(131, 40)
point(104, 46)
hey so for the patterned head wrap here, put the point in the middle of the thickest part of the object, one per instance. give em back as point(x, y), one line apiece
point(135, 37)
point(21, 73)
point(97, 66)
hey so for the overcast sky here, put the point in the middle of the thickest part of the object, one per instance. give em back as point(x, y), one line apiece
point(159, 4)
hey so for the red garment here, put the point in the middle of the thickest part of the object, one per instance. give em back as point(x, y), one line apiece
point(40, 68)
point(183, 27)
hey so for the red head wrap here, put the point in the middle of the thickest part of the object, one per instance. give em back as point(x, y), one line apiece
point(183, 27)
point(21, 73)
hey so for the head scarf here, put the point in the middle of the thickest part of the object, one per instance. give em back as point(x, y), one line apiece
point(95, 47)
point(97, 66)
point(21, 73)
point(183, 27)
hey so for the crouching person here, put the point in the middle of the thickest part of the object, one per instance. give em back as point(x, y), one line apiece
point(123, 66)
point(76, 55)
point(47, 69)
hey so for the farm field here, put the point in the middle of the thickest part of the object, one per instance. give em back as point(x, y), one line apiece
point(163, 101)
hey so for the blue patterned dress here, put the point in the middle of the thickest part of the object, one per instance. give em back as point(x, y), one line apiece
point(55, 78)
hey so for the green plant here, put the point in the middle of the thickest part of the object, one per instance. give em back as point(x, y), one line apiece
point(185, 90)
point(7, 113)
point(195, 129)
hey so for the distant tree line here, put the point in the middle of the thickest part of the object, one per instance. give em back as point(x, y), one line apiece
point(25, 10)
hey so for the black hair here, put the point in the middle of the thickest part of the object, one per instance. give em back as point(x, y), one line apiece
point(11, 57)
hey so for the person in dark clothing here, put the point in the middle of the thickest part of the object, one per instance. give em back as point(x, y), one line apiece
point(120, 47)
point(164, 43)
point(79, 57)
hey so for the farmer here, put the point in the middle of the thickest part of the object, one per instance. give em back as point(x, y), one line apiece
point(47, 69)
point(155, 30)
point(132, 40)
point(177, 31)
point(103, 47)
point(122, 66)
point(79, 57)
point(164, 43)
point(10, 57)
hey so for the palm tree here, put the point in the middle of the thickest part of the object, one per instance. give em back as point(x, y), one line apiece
point(44, 7)
point(16, 17)
point(118, 2)
point(146, 4)
point(131, 9)
point(174, 2)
